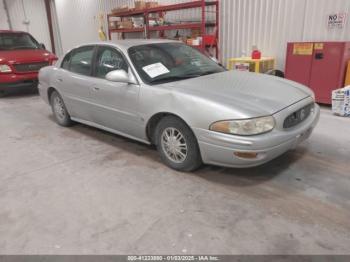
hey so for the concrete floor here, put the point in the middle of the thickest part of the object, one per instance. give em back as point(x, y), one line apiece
point(83, 191)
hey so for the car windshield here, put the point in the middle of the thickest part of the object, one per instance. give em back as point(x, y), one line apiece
point(168, 62)
point(16, 41)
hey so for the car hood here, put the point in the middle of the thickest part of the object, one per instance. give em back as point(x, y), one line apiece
point(25, 56)
point(250, 94)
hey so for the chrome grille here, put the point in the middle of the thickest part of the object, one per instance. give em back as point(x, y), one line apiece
point(30, 67)
point(298, 116)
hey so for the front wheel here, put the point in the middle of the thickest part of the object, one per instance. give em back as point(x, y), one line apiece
point(59, 110)
point(177, 145)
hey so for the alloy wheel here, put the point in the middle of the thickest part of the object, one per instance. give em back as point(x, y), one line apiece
point(174, 145)
point(59, 109)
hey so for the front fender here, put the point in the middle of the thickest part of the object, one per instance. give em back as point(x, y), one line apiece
point(195, 111)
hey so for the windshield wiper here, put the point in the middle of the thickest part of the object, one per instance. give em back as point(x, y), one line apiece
point(182, 77)
point(174, 78)
point(209, 73)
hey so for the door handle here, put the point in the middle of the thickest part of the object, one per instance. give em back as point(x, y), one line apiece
point(59, 79)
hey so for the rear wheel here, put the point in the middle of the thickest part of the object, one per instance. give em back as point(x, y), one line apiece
point(59, 110)
point(177, 145)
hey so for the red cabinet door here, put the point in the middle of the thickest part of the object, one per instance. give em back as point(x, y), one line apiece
point(326, 71)
point(298, 64)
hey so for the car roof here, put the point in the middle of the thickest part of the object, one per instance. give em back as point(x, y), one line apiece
point(135, 42)
point(126, 44)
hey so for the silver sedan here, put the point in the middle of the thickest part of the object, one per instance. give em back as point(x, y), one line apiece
point(168, 94)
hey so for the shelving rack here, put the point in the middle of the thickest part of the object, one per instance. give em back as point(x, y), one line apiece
point(202, 25)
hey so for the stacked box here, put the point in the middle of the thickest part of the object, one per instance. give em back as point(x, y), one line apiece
point(140, 5)
point(151, 4)
point(121, 9)
point(125, 25)
point(113, 24)
point(341, 101)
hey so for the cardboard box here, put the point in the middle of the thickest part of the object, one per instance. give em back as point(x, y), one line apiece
point(125, 25)
point(151, 4)
point(113, 24)
point(195, 33)
point(121, 9)
point(189, 41)
point(139, 5)
point(341, 101)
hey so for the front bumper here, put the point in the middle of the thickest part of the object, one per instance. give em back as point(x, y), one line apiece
point(11, 82)
point(218, 149)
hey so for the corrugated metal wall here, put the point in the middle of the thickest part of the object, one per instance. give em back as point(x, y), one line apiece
point(3, 18)
point(269, 24)
point(34, 12)
point(77, 21)
point(317, 12)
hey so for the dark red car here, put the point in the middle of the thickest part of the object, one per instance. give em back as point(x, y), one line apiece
point(21, 57)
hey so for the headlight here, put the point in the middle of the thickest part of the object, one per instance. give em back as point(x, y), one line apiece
point(5, 69)
point(246, 127)
point(313, 96)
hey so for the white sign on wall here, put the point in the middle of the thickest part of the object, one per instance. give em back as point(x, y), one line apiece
point(337, 20)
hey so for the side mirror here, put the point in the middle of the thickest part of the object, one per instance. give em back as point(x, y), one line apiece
point(120, 76)
point(43, 46)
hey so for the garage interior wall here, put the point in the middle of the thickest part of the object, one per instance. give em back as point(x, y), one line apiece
point(269, 24)
point(30, 16)
point(87, 25)
point(3, 17)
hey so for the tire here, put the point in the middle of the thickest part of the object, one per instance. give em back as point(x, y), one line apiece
point(59, 110)
point(177, 145)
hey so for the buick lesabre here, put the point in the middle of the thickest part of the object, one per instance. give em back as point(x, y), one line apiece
point(168, 94)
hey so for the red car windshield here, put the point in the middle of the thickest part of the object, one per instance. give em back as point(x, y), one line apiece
point(17, 41)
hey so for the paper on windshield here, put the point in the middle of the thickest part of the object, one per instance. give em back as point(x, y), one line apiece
point(155, 70)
